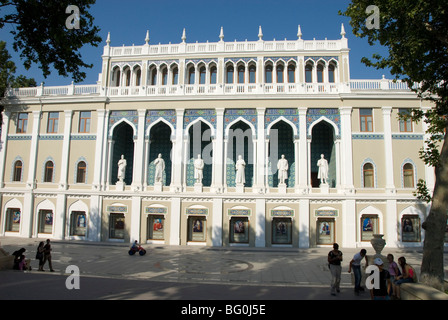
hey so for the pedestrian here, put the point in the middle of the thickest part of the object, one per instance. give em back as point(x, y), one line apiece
point(355, 264)
point(334, 263)
point(47, 256)
point(383, 289)
point(394, 272)
point(40, 255)
point(18, 258)
point(407, 275)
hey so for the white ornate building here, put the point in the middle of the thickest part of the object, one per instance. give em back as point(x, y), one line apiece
point(220, 100)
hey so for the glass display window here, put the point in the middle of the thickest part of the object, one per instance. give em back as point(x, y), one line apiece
point(13, 216)
point(281, 231)
point(410, 228)
point(156, 227)
point(239, 230)
point(116, 226)
point(325, 231)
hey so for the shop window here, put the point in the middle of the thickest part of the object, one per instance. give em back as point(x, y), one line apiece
point(13, 220)
point(281, 231)
point(116, 226)
point(369, 227)
point(239, 230)
point(156, 227)
point(197, 227)
point(410, 228)
point(45, 221)
point(325, 231)
point(78, 224)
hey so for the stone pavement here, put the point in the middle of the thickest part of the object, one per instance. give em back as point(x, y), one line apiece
point(268, 267)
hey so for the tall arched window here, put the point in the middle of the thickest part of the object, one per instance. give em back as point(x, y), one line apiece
point(368, 175)
point(213, 74)
point(127, 72)
point(164, 73)
point(408, 175)
point(252, 74)
point(280, 70)
point(241, 73)
point(153, 76)
point(191, 74)
point(81, 172)
point(229, 74)
point(48, 174)
point(175, 79)
point(137, 76)
point(331, 75)
point(309, 73)
point(116, 77)
point(17, 171)
point(320, 73)
point(291, 73)
point(268, 73)
point(202, 74)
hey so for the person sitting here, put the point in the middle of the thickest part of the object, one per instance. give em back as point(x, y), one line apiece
point(19, 259)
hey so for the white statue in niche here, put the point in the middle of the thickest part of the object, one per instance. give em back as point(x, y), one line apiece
point(240, 168)
point(198, 169)
point(121, 169)
point(282, 166)
point(160, 168)
point(322, 163)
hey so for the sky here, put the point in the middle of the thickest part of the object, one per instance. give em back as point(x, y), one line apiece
point(128, 20)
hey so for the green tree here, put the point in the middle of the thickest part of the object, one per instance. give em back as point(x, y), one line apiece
point(7, 73)
point(415, 34)
point(42, 37)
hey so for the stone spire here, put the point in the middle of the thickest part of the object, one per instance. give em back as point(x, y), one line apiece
point(342, 31)
point(108, 38)
point(260, 33)
point(299, 33)
point(184, 36)
point(147, 37)
point(221, 35)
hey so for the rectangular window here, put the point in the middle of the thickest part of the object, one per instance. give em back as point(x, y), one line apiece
point(156, 224)
point(366, 120)
point(239, 230)
point(369, 227)
point(281, 231)
point(45, 221)
point(22, 122)
point(405, 125)
point(84, 121)
point(325, 231)
point(12, 220)
point(53, 119)
point(197, 227)
point(116, 226)
point(78, 223)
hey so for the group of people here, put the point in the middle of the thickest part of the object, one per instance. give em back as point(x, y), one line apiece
point(43, 254)
point(389, 280)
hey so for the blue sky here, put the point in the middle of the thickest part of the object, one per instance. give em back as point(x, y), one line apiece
point(128, 20)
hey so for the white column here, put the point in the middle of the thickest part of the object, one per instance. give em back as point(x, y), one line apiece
point(139, 152)
point(4, 146)
point(26, 229)
point(349, 224)
point(261, 152)
point(217, 223)
point(302, 166)
point(59, 217)
point(94, 218)
point(99, 155)
point(135, 219)
point(304, 222)
point(391, 230)
point(177, 151)
point(106, 153)
point(175, 214)
point(346, 152)
point(260, 223)
point(388, 152)
point(63, 183)
point(218, 157)
point(33, 150)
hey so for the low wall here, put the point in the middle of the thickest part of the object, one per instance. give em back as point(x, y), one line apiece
point(419, 291)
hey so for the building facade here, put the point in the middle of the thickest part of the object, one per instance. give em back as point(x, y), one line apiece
point(200, 107)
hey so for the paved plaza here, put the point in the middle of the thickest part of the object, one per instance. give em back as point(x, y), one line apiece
point(192, 272)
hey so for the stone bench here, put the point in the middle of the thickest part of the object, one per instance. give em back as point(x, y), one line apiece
point(419, 291)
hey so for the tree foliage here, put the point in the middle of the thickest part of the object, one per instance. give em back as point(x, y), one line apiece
point(416, 36)
point(42, 38)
